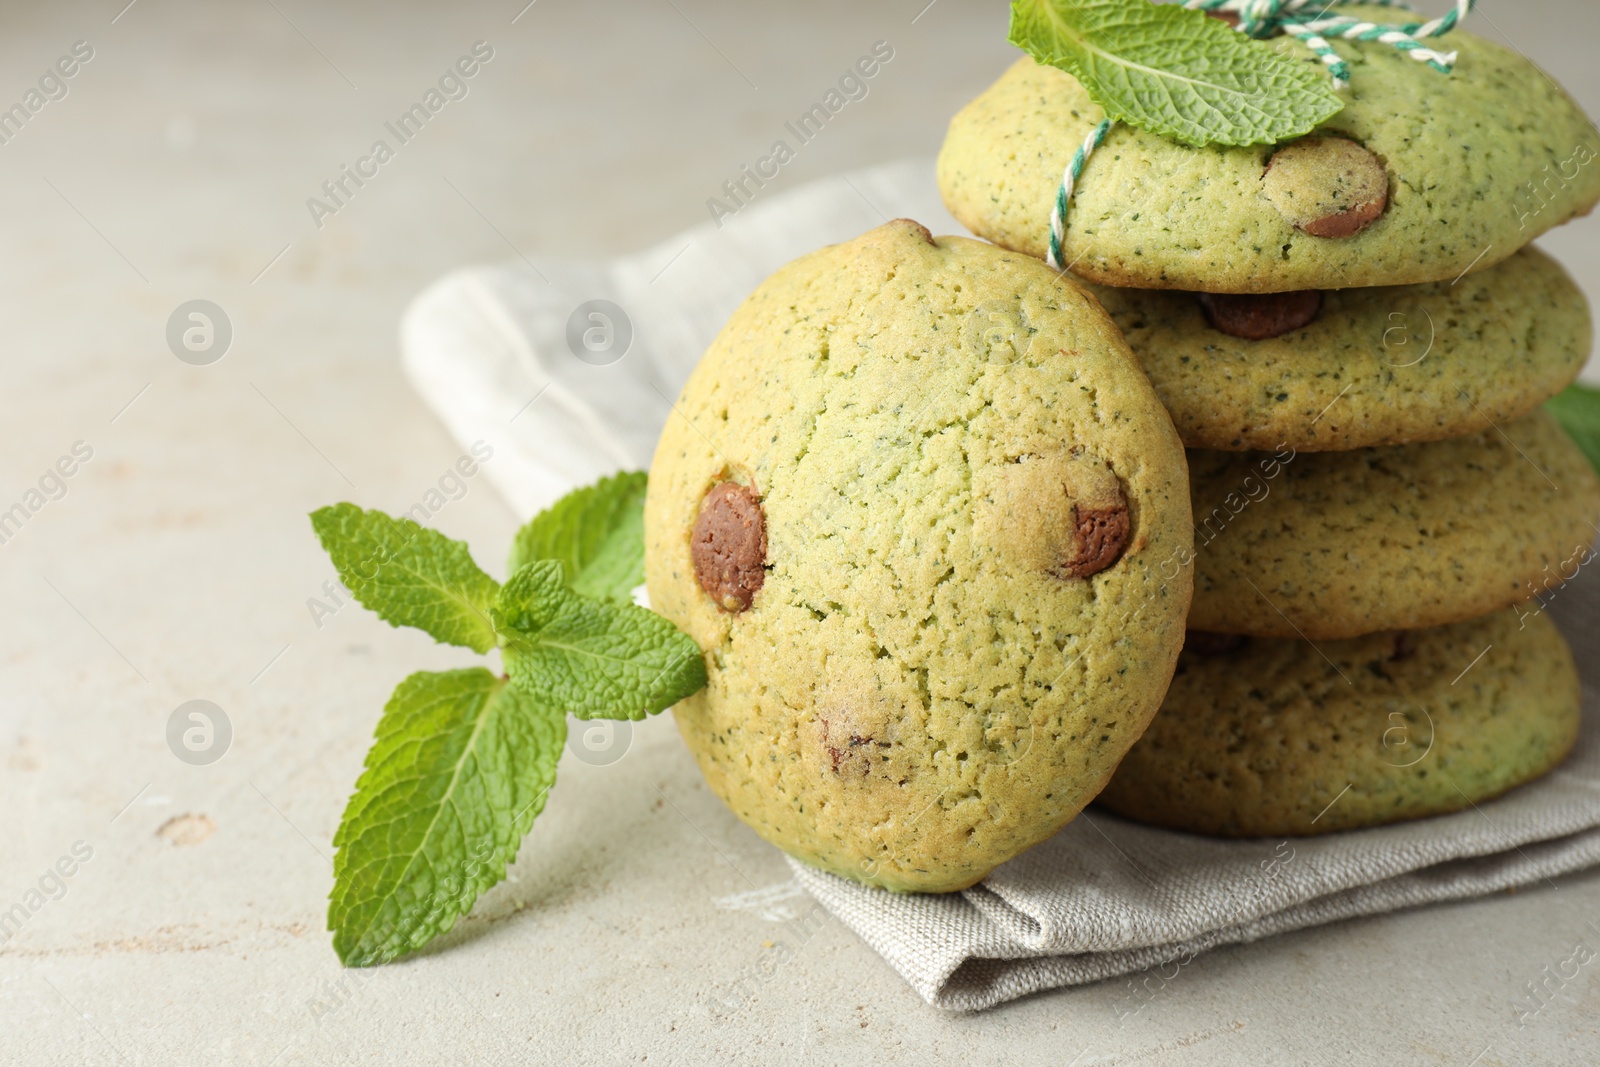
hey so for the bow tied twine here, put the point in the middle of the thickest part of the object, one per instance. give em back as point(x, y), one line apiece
point(1268, 18)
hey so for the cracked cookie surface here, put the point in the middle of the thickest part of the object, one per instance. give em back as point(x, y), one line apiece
point(1269, 738)
point(1339, 544)
point(967, 488)
point(1380, 366)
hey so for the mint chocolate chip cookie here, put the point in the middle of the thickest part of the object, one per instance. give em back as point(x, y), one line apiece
point(1271, 738)
point(1338, 544)
point(1421, 177)
point(1352, 368)
point(914, 505)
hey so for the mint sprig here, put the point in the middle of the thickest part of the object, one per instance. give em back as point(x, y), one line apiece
point(463, 760)
point(1175, 72)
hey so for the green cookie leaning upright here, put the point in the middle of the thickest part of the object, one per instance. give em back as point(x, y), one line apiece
point(914, 505)
point(1446, 172)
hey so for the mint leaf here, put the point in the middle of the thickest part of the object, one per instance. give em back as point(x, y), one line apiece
point(409, 575)
point(1577, 409)
point(461, 765)
point(596, 532)
point(1175, 72)
point(595, 659)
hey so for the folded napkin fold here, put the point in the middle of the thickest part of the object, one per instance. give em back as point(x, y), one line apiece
point(499, 353)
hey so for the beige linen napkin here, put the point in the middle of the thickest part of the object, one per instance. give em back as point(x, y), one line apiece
point(499, 353)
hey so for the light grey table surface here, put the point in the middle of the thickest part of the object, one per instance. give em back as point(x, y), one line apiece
point(179, 563)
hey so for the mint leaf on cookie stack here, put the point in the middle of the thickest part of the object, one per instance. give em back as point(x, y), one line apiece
point(1338, 304)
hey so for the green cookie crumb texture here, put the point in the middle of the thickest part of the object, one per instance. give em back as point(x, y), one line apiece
point(1377, 366)
point(1339, 544)
point(1479, 163)
point(969, 490)
point(1274, 738)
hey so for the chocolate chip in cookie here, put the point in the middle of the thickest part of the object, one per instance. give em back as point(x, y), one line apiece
point(1098, 538)
point(914, 227)
point(1258, 317)
point(1327, 186)
point(729, 545)
point(1062, 513)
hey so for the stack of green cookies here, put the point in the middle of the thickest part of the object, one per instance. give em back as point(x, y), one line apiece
point(1354, 341)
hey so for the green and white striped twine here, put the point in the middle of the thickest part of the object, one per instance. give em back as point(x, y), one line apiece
point(1058, 213)
point(1268, 18)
